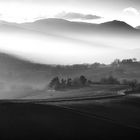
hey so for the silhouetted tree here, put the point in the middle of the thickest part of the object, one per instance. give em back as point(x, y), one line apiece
point(129, 61)
point(109, 80)
point(134, 60)
point(55, 83)
point(83, 80)
point(69, 82)
point(133, 84)
point(116, 63)
point(63, 83)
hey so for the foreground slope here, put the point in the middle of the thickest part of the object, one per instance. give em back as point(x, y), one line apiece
point(45, 121)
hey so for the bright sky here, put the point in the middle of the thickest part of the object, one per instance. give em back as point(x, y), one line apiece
point(29, 10)
point(55, 50)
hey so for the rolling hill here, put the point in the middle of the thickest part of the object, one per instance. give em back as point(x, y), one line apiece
point(138, 27)
point(19, 77)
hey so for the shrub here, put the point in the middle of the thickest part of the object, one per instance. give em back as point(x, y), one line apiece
point(109, 80)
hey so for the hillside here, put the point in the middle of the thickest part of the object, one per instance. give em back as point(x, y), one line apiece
point(138, 27)
point(19, 77)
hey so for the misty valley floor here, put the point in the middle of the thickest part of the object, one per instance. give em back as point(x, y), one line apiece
point(70, 119)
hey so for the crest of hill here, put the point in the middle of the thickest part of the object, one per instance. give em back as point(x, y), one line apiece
point(21, 69)
point(117, 24)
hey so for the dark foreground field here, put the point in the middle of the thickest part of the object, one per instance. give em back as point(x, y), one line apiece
point(82, 120)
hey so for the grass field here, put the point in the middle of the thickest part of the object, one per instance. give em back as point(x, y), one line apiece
point(92, 91)
point(83, 121)
point(124, 110)
point(60, 116)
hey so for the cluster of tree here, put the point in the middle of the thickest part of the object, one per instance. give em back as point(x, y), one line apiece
point(82, 81)
point(61, 83)
point(81, 68)
point(109, 80)
point(134, 85)
point(117, 62)
point(57, 83)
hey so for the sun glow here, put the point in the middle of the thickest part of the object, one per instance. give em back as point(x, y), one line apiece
point(20, 12)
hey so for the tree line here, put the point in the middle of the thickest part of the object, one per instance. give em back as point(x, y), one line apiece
point(57, 83)
point(125, 61)
point(78, 82)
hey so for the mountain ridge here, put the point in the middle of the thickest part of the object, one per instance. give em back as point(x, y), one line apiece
point(60, 22)
point(111, 27)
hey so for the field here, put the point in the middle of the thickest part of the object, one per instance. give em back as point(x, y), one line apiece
point(104, 114)
point(104, 118)
point(123, 110)
point(86, 92)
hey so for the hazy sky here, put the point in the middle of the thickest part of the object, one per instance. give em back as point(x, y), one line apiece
point(25, 10)
point(55, 50)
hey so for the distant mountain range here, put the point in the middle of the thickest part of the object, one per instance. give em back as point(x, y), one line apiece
point(53, 24)
point(112, 34)
point(71, 30)
point(113, 27)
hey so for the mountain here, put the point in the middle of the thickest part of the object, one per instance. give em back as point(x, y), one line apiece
point(65, 27)
point(138, 27)
point(68, 29)
point(46, 25)
point(117, 25)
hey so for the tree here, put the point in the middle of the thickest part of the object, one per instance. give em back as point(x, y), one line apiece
point(83, 80)
point(69, 82)
point(129, 61)
point(112, 80)
point(116, 63)
point(133, 84)
point(77, 82)
point(63, 83)
point(55, 83)
point(134, 60)
point(109, 80)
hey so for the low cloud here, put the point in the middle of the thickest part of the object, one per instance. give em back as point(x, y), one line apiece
point(131, 11)
point(74, 16)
